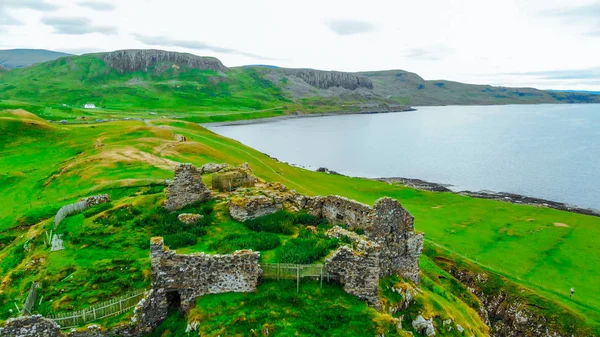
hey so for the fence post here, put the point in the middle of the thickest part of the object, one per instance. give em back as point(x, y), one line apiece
point(321, 277)
point(121, 304)
point(297, 278)
point(94, 308)
point(278, 270)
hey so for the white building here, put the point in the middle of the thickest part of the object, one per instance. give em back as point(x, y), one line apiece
point(89, 106)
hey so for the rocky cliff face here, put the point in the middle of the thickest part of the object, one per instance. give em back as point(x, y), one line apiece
point(139, 60)
point(510, 315)
point(327, 79)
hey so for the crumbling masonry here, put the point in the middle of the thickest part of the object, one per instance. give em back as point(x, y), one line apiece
point(178, 280)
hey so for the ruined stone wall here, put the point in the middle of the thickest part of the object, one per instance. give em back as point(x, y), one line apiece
point(392, 227)
point(187, 188)
point(358, 272)
point(199, 274)
point(30, 326)
point(387, 223)
point(338, 210)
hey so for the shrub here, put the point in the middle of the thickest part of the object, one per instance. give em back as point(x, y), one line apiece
point(306, 251)
point(256, 241)
point(309, 220)
point(97, 209)
point(6, 240)
point(154, 189)
point(180, 240)
point(118, 217)
point(280, 222)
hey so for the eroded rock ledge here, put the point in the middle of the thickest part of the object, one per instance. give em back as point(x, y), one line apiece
point(132, 60)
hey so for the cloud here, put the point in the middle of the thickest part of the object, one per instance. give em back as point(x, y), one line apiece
point(422, 54)
point(98, 5)
point(350, 27)
point(429, 54)
point(6, 19)
point(188, 44)
point(41, 5)
point(583, 15)
point(76, 26)
point(567, 74)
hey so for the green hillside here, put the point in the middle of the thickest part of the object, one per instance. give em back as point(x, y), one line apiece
point(19, 58)
point(180, 85)
point(44, 166)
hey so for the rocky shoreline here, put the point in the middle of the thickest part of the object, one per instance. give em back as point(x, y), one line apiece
point(499, 196)
point(306, 115)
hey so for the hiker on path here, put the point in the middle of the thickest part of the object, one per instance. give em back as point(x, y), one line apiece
point(572, 292)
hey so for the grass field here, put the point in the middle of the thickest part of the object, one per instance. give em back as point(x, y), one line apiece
point(44, 166)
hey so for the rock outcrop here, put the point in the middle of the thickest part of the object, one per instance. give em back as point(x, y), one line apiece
point(424, 326)
point(509, 315)
point(327, 79)
point(187, 188)
point(141, 59)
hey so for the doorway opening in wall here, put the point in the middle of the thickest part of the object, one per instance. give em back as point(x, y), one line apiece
point(173, 300)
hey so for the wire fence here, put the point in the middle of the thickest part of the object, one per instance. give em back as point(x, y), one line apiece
point(102, 310)
point(289, 271)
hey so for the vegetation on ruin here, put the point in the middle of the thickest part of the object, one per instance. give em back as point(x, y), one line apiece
point(44, 166)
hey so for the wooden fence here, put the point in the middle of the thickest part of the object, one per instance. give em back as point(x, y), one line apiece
point(30, 300)
point(289, 271)
point(102, 310)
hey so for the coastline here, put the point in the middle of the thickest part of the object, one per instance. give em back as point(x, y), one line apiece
point(498, 196)
point(493, 195)
point(303, 115)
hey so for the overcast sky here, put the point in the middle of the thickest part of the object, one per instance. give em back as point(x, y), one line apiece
point(549, 44)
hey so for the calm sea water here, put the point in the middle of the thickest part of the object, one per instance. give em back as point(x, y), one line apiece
point(544, 151)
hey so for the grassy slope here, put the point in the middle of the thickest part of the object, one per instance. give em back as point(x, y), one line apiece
point(58, 90)
point(45, 166)
point(63, 86)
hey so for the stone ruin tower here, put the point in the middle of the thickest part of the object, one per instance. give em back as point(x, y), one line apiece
point(187, 188)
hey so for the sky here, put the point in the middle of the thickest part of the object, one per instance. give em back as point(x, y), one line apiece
point(547, 44)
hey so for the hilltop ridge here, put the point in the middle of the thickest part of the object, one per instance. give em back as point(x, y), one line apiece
point(157, 80)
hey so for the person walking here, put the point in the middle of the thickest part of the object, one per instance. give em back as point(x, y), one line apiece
point(572, 292)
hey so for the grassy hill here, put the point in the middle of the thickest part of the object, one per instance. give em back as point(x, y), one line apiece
point(179, 87)
point(19, 58)
point(44, 166)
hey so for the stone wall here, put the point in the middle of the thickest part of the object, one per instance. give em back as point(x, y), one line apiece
point(180, 279)
point(336, 210)
point(242, 209)
point(30, 326)
point(187, 188)
point(387, 223)
point(358, 272)
point(231, 178)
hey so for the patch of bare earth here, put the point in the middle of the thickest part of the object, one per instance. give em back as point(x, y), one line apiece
point(560, 224)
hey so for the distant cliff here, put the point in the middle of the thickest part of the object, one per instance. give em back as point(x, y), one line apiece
point(140, 59)
point(327, 79)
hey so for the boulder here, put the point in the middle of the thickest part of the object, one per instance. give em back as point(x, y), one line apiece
point(189, 218)
point(424, 326)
